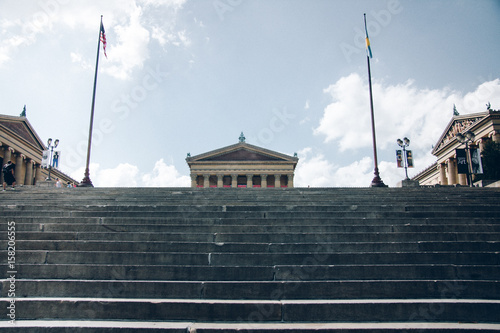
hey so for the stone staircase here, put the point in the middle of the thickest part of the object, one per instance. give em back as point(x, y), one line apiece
point(255, 260)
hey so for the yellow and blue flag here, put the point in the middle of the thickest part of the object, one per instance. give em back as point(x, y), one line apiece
point(368, 48)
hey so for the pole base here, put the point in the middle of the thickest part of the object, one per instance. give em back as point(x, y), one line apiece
point(86, 182)
point(377, 181)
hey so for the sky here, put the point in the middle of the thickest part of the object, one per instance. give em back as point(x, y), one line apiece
point(188, 76)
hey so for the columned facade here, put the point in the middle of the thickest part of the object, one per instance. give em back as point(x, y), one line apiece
point(20, 144)
point(484, 125)
point(242, 166)
point(241, 180)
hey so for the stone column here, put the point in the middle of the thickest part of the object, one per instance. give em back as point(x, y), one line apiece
point(19, 169)
point(234, 180)
point(7, 155)
point(38, 173)
point(452, 171)
point(206, 180)
point(194, 177)
point(277, 180)
point(24, 168)
point(220, 179)
point(263, 180)
point(29, 172)
point(462, 179)
point(442, 174)
point(290, 180)
point(481, 143)
point(249, 181)
point(496, 136)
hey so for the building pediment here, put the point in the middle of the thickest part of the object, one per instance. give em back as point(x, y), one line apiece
point(242, 152)
point(242, 155)
point(21, 128)
point(458, 124)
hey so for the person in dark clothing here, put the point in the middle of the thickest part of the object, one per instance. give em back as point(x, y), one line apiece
point(8, 175)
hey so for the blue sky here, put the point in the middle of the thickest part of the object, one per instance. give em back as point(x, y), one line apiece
point(188, 76)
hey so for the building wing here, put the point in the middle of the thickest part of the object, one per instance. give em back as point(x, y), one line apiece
point(242, 165)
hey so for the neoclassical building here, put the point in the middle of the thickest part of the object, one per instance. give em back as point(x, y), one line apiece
point(20, 144)
point(484, 125)
point(242, 165)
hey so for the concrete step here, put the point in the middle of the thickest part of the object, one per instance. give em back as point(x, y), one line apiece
point(325, 237)
point(253, 259)
point(258, 311)
point(12, 214)
point(81, 326)
point(311, 272)
point(256, 290)
point(91, 226)
point(445, 193)
point(267, 207)
point(233, 199)
point(211, 247)
point(331, 221)
point(355, 237)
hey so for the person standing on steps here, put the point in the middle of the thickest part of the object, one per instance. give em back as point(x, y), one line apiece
point(8, 175)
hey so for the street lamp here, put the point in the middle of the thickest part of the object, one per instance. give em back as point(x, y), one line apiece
point(51, 147)
point(403, 144)
point(466, 138)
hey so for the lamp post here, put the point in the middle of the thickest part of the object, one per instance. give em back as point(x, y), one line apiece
point(51, 147)
point(466, 138)
point(403, 144)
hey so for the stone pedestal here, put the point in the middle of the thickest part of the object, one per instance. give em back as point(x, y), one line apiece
point(46, 183)
point(408, 183)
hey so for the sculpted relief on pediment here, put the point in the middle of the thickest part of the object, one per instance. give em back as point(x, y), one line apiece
point(458, 126)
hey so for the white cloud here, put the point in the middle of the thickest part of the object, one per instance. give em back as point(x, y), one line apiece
point(124, 175)
point(79, 59)
point(129, 28)
point(357, 174)
point(486, 92)
point(128, 175)
point(130, 49)
point(175, 4)
point(165, 175)
point(315, 170)
point(400, 110)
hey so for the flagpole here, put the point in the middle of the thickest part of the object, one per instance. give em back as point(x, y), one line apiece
point(376, 181)
point(86, 182)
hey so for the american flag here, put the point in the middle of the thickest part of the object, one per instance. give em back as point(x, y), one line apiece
point(103, 39)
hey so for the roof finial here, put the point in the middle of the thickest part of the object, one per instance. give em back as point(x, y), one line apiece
point(242, 137)
point(23, 113)
point(455, 112)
